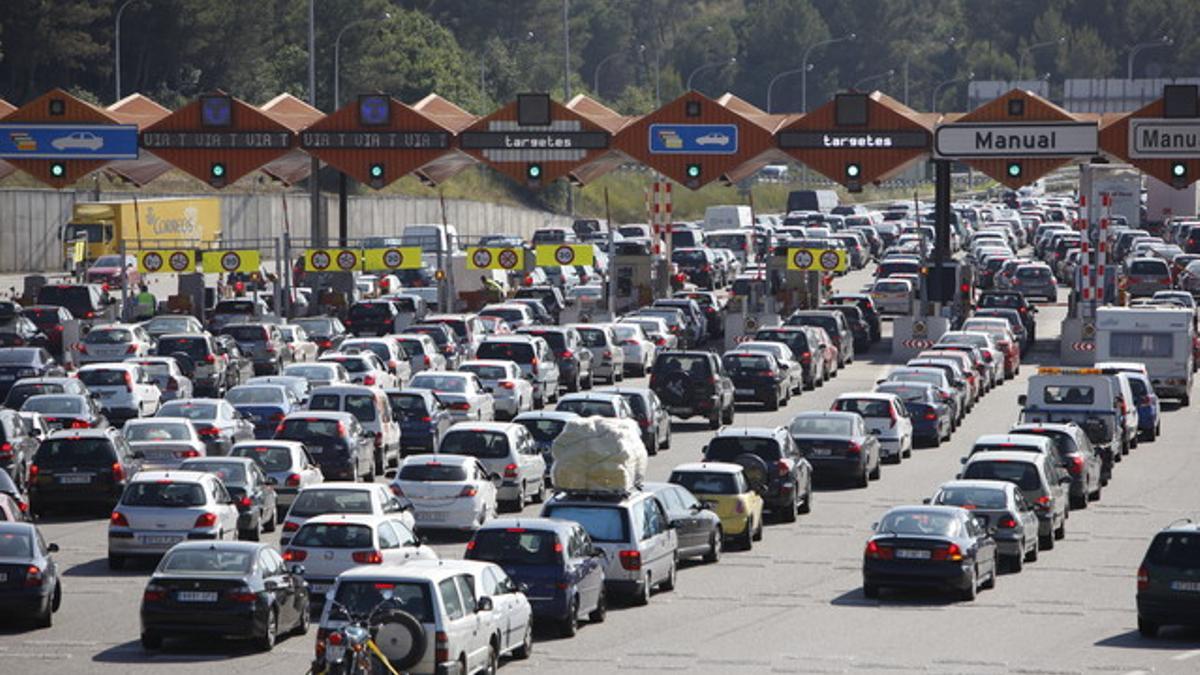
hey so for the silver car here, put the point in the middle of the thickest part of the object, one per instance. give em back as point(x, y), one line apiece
point(608, 358)
point(1035, 279)
point(160, 509)
point(165, 442)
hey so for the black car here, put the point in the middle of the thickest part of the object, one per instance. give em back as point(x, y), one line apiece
point(693, 384)
point(574, 359)
point(336, 440)
point(698, 264)
point(67, 411)
point(237, 590)
point(17, 447)
point(29, 580)
point(86, 302)
point(1168, 580)
point(859, 328)
point(757, 377)
point(326, 331)
point(81, 467)
point(837, 444)
point(835, 325)
point(771, 453)
point(551, 298)
point(20, 362)
point(1012, 300)
point(697, 529)
point(796, 338)
point(866, 304)
point(50, 320)
point(714, 313)
point(422, 417)
point(941, 547)
point(371, 318)
point(21, 332)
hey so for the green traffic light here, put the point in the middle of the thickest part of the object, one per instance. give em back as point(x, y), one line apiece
point(693, 170)
point(217, 170)
point(534, 171)
point(1014, 169)
point(58, 170)
point(853, 170)
point(376, 171)
point(1179, 169)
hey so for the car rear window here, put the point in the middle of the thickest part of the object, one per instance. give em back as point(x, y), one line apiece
point(57, 452)
point(1148, 267)
point(360, 597)
point(706, 482)
point(689, 257)
point(192, 411)
point(51, 404)
point(475, 443)
point(407, 404)
point(865, 407)
point(729, 448)
point(331, 535)
point(824, 426)
point(312, 503)
point(543, 431)
point(269, 458)
point(603, 523)
point(555, 339)
point(1033, 272)
point(370, 310)
point(919, 523)
point(164, 494)
point(592, 337)
point(246, 333)
point(228, 472)
point(518, 352)
point(742, 363)
point(972, 498)
point(157, 432)
point(207, 561)
point(694, 364)
point(1023, 474)
point(516, 546)
point(733, 242)
point(486, 372)
point(352, 364)
point(1176, 549)
point(586, 408)
point(1062, 394)
point(108, 336)
point(197, 348)
point(18, 394)
point(433, 472)
point(256, 396)
point(101, 377)
point(307, 429)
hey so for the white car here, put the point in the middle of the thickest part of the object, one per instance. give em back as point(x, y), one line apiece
point(391, 354)
point(343, 497)
point(713, 139)
point(164, 441)
point(598, 404)
point(505, 449)
point(162, 508)
point(893, 297)
point(511, 614)
point(124, 390)
point(884, 415)
point(114, 342)
point(165, 372)
point(364, 368)
point(462, 393)
point(447, 491)
point(286, 463)
point(656, 330)
point(511, 392)
point(331, 544)
point(423, 353)
point(608, 357)
point(80, 140)
point(301, 348)
point(637, 346)
point(318, 374)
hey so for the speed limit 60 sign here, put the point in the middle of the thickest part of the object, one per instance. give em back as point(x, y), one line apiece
point(333, 260)
point(495, 258)
point(817, 260)
point(229, 261)
point(395, 258)
point(559, 255)
point(166, 261)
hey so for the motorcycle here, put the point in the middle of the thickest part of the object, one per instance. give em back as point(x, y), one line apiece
point(353, 650)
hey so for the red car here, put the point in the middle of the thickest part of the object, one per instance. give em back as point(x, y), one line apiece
point(107, 270)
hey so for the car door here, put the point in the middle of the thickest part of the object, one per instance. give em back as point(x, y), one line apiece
point(590, 565)
point(658, 416)
point(658, 539)
point(985, 544)
point(389, 545)
point(504, 609)
point(227, 512)
point(532, 468)
point(278, 582)
point(485, 623)
point(683, 508)
point(903, 420)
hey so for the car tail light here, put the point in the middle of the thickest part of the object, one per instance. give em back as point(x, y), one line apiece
point(294, 555)
point(644, 423)
point(566, 354)
point(460, 405)
point(1121, 403)
point(469, 491)
point(341, 429)
point(290, 526)
point(1076, 465)
point(805, 357)
point(533, 364)
point(270, 348)
point(766, 373)
point(951, 552)
point(1143, 578)
point(441, 646)
point(293, 480)
point(154, 593)
point(1042, 503)
point(209, 358)
point(245, 502)
point(205, 520)
point(33, 471)
point(853, 448)
point(396, 490)
point(508, 384)
point(242, 594)
point(661, 341)
point(129, 378)
point(892, 413)
point(1007, 523)
point(208, 431)
point(118, 472)
point(367, 557)
point(877, 552)
point(79, 424)
point(782, 468)
point(369, 380)
point(172, 384)
point(81, 348)
point(324, 344)
point(510, 471)
point(631, 560)
point(6, 450)
point(118, 519)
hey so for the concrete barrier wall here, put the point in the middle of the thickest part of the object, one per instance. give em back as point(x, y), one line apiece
point(30, 220)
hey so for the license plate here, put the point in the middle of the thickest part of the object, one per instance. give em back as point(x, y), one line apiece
point(105, 394)
point(320, 588)
point(161, 454)
point(3, 577)
point(75, 478)
point(196, 596)
point(912, 554)
point(821, 452)
point(152, 539)
point(743, 392)
point(435, 516)
point(315, 450)
point(333, 654)
point(1190, 586)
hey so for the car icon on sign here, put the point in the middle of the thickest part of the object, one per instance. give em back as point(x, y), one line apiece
point(80, 140)
point(713, 139)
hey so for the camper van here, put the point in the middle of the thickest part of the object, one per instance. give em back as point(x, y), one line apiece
point(1159, 337)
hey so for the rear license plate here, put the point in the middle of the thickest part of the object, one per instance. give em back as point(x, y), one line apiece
point(196, 596)
point(912, 554)
point(105, 394)
point(821, 452)
point(316, 450)
point(75, 478)
point(154, 539)
point(319, 588)
point(3, 577)
point(743, 392)
point(1190, 586)
point(434, 516)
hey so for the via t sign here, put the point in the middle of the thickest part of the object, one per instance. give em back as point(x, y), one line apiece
point(981, 140)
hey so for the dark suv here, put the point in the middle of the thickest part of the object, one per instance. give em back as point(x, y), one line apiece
point(692, 384)
point(1013, 300)
point(757, 377)
point(81, 466)
point(1169, 579)
point(796, 338)
point(835, 324)
point(372, 318)
point(263, 343)
point(575, 368)
point(866, 304)
point(772, 453)
point(86, 302)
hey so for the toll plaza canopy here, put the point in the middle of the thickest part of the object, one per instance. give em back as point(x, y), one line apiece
point(854, 139)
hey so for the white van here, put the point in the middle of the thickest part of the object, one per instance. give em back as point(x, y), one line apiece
point(727, 217)
point(1159, 337)
point(738, 241)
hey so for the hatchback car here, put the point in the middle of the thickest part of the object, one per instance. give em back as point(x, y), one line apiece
point(423, 419)
point(463, 394)
point(318, 374)
point(728, 491)
point(76, 467)
point(886, 417)
point(21, 362)
point(342, 447)
point(1041, 481)
point(162, 508)
point(1167, 579)
point(511, 392)
point(940, 547)
point(219, 424)
point(343, 497)
point(608, 358)
point(1000, 507)
point(31, 586)
point(447, 491)
point(124, 390)
point(252, 493)
point(288, 467)
point(371, 407)
point(113, 342)
point(505, 449)
point(166, 374)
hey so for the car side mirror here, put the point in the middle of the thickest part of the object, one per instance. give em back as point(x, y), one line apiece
point(927, 500)
point(1022, 399)
point(874, 526)
point(297, 570)
point(962, 460)
point(484, 604)
point(53, 548)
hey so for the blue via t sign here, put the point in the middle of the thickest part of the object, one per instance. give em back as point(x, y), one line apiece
point(693, 139)
point(61, 141)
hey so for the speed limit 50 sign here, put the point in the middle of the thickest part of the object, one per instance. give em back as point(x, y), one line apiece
point(229, 261)
point(495, 258)
point(166, 261)
point(817, 260)
point(560, 255)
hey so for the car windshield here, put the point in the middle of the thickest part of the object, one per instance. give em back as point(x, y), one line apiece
point(919, 523)
point(603, 523)
point(103, 377)
point(707, 483)
point(360, 597)
point(49, 404)
point(475, 443)
point(440, 383)
point(316, 502)
point(157, 431)
point(269, 458)
point(192, 411)
point(228, 472)
point(821, 426)
point(1023, 474)
point(544, 430)
point(108, 336)
point(1068, 394)
point(256, 395)
point(729, 448)
point(164, 494)
point(433, 472)
point(516, 546)
point(587, 408)
point(972, 497)
point(206, 561)
point(334, 535)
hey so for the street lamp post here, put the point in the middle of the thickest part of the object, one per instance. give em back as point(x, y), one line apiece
point(714, 64)
point(804, 66)
point(337, 57)
point(950, 42)
point(610, 57)
point(1164, 41)
point(117, 46)
point(1029, 50)
point(778, 77)
point(880, 76)
point(938, 89)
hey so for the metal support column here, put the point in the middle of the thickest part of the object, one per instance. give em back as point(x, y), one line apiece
point(343, 227)
point(941, 221)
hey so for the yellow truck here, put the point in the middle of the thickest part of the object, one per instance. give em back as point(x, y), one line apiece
point(153, 224)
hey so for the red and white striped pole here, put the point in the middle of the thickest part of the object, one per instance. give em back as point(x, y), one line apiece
point(1102, 245)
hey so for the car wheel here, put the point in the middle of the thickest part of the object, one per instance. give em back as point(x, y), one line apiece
point(1095, 496)
point(714, 422)
point(303, 622)
point(1062, 529)
point(1016, 563)
point(971, 591)
point(727, 415)
point(772, 402)
point(525, 650)
point(787, 514)
point(991, 582)
point(600, 613)
point(870, 591)
point(540, 495)
point(863, 478)
point(1147, 628)
point(151, 641)
point(714, 547)
point(45, 618)
point(877, 471)
point(266, 642)
point(806, 507)
point(642, 597)
point(666, 442)
point(493, 661)
point(668, 584)
point(379, 463)
point(1046, 543)
point(908, 452)
point(746, 541)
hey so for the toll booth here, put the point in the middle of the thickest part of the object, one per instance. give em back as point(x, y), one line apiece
point(639, 280)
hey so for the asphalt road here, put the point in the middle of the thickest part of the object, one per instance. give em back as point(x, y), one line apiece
point(793, 604)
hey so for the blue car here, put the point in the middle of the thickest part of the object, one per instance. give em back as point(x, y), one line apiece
point(1149, 410)
point(554, 563)
point(422, 417)
point(264, 405)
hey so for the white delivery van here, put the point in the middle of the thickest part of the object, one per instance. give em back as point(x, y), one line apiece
point(728, 217)
point(1159, 337)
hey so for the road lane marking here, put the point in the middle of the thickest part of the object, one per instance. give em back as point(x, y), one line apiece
point(1186, 655)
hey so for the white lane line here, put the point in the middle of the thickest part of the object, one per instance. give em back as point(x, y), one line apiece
point(1186, 655)
point(1138, 672)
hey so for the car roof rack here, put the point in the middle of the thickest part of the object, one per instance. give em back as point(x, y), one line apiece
point(597, 495)
point(1179, 521)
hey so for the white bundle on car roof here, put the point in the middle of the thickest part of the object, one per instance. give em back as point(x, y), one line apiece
point(598, 454)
